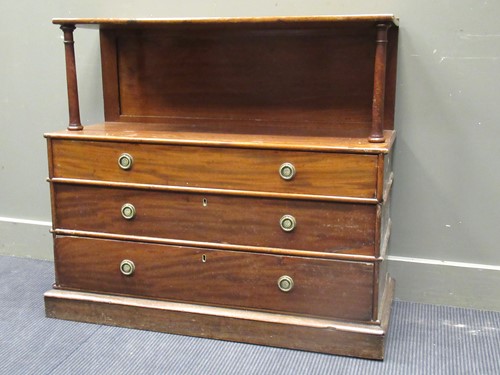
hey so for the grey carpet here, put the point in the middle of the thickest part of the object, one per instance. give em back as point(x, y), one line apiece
point(423, 339)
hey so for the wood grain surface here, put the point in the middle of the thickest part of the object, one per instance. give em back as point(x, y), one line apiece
point(246, 75)
point(325, 288)
point(321, 226)
point(277, 21)
point(326, 174)
point(263, 328)
point(328, 137)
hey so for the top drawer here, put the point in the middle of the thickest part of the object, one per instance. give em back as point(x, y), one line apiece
point(313, 173)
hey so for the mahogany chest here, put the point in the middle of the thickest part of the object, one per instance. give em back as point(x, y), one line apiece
point(239, 187)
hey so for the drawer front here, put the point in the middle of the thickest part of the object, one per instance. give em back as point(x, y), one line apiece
point(328, 174)
point(218, 219)
point(326, 288)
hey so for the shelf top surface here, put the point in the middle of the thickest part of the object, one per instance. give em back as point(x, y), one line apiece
point(222, 136)
point(277, 20)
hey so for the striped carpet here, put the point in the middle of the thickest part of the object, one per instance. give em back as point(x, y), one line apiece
point(423, 339)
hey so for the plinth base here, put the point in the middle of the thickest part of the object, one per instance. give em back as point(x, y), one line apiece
point(255, 327)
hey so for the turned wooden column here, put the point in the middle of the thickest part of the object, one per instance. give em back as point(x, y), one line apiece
point(73, 105)
point(377, 131)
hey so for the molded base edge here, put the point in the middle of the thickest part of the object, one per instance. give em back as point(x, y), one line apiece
point(255, 327)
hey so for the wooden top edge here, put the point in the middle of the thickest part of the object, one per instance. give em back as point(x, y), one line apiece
point(135, 22)
point(165, 134)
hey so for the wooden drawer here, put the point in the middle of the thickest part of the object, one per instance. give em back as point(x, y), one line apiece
point(317, 173)
point(326, 288)
point(331, 227)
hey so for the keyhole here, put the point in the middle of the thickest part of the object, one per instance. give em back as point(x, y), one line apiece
point(203, 258)
point(205, 202)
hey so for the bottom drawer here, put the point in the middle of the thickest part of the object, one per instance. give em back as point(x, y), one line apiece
point(319, 287)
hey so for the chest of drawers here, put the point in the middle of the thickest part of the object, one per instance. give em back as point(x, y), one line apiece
point(239, 187)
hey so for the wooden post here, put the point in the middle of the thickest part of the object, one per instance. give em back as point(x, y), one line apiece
point(377, 131)
point(74, 107)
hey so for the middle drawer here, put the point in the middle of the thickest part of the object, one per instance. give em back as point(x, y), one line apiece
point(331, 227)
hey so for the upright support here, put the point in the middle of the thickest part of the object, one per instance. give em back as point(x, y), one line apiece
point(377, 131)
point(74, 107)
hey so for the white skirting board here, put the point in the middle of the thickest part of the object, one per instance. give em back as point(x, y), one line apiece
point(460, 284)
point(26, 238)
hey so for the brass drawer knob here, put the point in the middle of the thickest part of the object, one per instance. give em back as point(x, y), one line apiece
point(288, 223)
point(287, 171)
point(285, 283)
point(127, 267)
point(125, 161)
point(128, 211)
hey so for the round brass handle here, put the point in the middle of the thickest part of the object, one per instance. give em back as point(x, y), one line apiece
point(125, 161)
point(288, 223)
point(285, 283)
point(287, 171)
point(127, 267)
point(128, 211)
